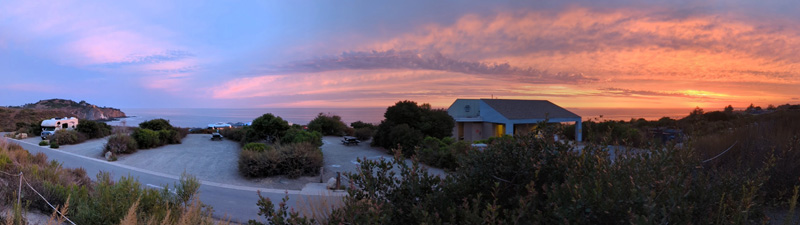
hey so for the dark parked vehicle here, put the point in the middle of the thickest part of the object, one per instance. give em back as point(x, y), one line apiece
point(216, 136)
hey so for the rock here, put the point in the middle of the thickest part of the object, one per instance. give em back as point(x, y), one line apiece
point(21, 136)
point(108, 155)
point(332, 183)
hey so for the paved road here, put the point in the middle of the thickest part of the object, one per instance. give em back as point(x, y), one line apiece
point(236, 202)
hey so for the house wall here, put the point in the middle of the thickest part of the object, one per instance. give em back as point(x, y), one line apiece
point(457, 109)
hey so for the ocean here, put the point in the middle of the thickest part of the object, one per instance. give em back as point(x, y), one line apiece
point(197, 117)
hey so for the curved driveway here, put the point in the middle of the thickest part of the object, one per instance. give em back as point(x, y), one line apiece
point(236, 202)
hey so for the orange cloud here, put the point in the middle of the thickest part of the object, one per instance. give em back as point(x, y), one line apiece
point(624, 44)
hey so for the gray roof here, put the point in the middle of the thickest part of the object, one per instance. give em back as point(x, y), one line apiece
point(528, 109)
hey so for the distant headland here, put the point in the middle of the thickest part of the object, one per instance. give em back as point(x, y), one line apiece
point(50, 108)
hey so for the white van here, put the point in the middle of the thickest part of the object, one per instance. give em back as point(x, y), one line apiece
point(49, 127)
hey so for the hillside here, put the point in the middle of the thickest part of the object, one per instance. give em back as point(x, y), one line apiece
point(45, 109)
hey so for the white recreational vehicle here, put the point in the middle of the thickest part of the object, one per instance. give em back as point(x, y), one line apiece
point(49, 127)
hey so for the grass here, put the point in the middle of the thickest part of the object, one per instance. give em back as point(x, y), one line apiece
point(104, 201)
point(319, 207)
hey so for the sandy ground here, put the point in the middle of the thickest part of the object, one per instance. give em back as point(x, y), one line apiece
point(217, 160)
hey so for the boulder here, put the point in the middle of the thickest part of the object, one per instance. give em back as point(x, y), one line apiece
point(21, 136)
point(332, 183)
point(108, 155)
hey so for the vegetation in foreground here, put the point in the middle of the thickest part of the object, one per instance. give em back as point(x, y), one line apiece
point(535, 180)
point(84, 201)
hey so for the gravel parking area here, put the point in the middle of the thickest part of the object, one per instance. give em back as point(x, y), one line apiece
point(217, 160)
point(343, 158)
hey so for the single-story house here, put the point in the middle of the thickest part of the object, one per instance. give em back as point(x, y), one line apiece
point(478, 119)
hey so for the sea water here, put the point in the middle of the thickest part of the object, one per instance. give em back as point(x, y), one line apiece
point(194, 117)
point(200, 117)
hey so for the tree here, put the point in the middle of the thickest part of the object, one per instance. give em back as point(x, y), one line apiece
point(751, 107)
point(156, 124)
point(696, 112)
point(771, 107)
point(93, 129)
point(729, 109)
point(417, 121)
point(267, 126)
point(328, 124)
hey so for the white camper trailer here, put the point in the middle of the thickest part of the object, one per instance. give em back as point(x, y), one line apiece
point(49, 127)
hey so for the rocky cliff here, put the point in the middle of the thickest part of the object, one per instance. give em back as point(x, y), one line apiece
point(81, 109)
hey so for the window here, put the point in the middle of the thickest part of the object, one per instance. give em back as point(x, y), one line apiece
point(466, 108)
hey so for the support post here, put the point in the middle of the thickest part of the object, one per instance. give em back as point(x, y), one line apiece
point(578, 130)
point(19, 191)
point(338, 180)
point(321, 171)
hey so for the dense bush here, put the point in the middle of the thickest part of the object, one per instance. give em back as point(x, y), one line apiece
point(752, 145)
point(257, 147)
point(102, 202)
point(266, 128)
point(364, 133)
point(405, 138)
point(443, 153)
point(407, 123)
point(328, 124)
point(234, 134)
point(146, 138)
point(293, 160)
point(300, 136)
point(156, 124)
point(536, 180)
point(170, 136)
point(93, 129)
point(44, 143)
point(67, 137)
point(361, 124)
point(32, 129)
point(120, 144)
point(54, 145)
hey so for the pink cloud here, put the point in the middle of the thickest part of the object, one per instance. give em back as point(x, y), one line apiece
point(620, 44)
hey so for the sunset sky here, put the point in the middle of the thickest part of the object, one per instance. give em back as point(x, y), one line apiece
point(250, 54)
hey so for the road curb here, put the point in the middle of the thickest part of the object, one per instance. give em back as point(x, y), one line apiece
point(309, 189)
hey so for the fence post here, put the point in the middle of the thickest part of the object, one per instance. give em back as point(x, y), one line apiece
point(19, 191)
point(321, 171)
point(338, 180)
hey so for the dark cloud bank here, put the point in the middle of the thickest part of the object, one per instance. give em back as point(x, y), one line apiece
point(415, 60)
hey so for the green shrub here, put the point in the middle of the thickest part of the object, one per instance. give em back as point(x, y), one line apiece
point(170, 136)
point(364, 133)
point(156, 124)
point(266, 127)
point(93, 129)
point(529, 179)
point(406, 138)
point(413, 122)
point(102, 202)
point(146, 138)
point(257, 147)
point(166, 134)
point(361, 124)
point(328, 124)
point(443, 153)
point(234, 134)
point(301, 136)
point(120, 144)
point(54, 145)
point(44, 143)
point(294, 160)
point(67, 137)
